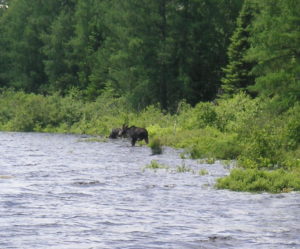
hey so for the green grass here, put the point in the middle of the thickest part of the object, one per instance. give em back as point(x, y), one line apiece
point(154, 165)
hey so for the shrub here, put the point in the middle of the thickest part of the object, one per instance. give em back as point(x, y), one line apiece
point(202, 115)
point(234, 114)
point(214, 144)
point(255, 180)
point(156, 147)
point(292, 127)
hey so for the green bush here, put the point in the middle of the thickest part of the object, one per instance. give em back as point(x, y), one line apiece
point(292, 126)
point(215, 144)
point(234, 114)
point(263, 147)
point(156, 147)
point(255, 180)
point(31, 112)
point(269, 140)
point(202, 115)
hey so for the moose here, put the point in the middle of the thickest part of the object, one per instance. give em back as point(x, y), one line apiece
point(135, 133)
point(115, 133)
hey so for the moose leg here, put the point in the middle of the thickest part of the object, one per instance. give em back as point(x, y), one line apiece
point(133, 140)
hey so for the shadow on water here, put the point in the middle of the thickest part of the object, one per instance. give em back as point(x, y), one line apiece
point(68, 191)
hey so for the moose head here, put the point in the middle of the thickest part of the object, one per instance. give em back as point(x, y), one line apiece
point(115, 133)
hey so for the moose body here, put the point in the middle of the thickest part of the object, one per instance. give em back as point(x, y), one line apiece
point(135, 133)
point(115, 133)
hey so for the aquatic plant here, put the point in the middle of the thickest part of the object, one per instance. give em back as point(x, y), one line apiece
point(155, 165)
point(156, 146)
point(93, 139)
point(183, 168)
point(203, 172)
point(207, 160)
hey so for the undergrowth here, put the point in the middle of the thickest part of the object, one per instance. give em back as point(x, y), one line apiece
point(263, 141)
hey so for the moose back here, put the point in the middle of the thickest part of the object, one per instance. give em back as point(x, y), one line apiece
point(135, 133)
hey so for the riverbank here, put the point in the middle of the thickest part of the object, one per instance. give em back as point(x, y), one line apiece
point(263, 141)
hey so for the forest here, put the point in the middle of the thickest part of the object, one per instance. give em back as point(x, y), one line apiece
point(219, 78)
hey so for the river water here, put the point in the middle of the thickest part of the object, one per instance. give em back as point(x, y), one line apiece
point(64, 191)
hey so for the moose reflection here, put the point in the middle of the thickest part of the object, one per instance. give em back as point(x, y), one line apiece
point(135, 133)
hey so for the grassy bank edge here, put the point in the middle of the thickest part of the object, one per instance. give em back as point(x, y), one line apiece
point(265, 144)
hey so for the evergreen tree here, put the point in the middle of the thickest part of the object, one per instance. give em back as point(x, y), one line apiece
point(22, 26)
point(130, 54)
point(90, 33)
point(238, 70)
point(59, 63)
point(163, 51)
point(201, 33)
point(148, 51)
point(4, 42)
point(275, 46)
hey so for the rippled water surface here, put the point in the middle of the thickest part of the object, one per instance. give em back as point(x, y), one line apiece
point(62, 191)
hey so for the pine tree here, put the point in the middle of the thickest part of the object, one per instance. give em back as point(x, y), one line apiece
point(206, 26)
point(275, 46)
point(238, 70)
point(163, 51)
point(59, 64)
point(88, 40)
point(23, 67)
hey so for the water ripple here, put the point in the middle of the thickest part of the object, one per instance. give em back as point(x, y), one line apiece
point(60, 191)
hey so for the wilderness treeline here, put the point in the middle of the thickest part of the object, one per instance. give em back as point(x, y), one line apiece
point(147, 50)
point(152, 51)
point(220, 78)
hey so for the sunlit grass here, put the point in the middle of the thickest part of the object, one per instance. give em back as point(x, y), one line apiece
point(203, 172)
point(154, 165)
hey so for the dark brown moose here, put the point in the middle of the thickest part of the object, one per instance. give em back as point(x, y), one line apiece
point(135, 133)
point(115, 133)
